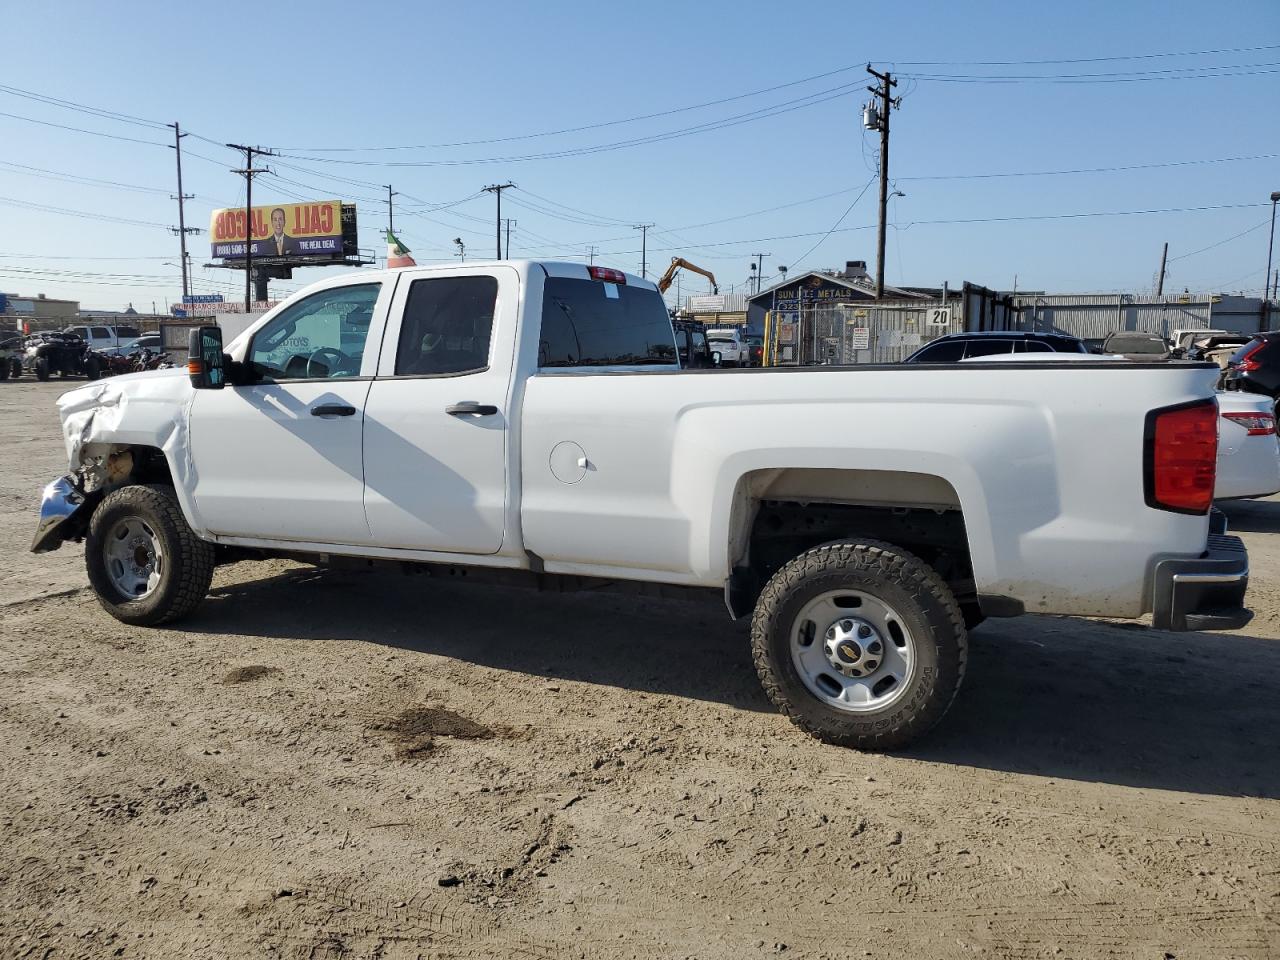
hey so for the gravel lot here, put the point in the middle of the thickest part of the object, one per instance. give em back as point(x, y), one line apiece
point(325, 764)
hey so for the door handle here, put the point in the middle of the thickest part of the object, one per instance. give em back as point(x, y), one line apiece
point(333, 410)
point(470, 408)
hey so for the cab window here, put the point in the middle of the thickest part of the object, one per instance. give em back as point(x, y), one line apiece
point(447, 326)
point(319, 338)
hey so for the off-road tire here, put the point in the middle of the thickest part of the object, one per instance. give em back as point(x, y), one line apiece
point(42, 368)
point(15, 370)
point(188, 560)
point(92, 368)
point(922, 600)
point(4, 369)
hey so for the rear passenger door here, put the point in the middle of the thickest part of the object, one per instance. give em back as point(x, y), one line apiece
point(435, 430)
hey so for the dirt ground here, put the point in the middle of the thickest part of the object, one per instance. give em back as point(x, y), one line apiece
point(337, 764)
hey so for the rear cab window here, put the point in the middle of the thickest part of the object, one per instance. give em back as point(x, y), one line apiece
point(593, 323)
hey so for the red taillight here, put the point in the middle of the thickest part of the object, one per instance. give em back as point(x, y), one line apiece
point(1248, 359)
point(1181, 457)
point(1258, 424)
point(607, 274)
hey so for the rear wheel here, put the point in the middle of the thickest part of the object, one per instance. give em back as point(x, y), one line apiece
point(92, 368)
point(15, 369)
point(144, 562)
point(4, 369)
point(860, 644)
point(42, 368)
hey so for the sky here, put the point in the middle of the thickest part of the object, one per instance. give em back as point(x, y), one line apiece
point(734, 129)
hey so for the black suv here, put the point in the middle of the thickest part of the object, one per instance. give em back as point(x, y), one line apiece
point(954, 347)
point(1255, 367)
point(691, 345)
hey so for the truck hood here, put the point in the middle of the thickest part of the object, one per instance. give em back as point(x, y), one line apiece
point(146, 409)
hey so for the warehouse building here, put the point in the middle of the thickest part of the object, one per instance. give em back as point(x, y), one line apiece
point(25, 314)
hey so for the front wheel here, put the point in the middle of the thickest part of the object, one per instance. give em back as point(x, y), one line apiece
point(42, 368)
point(860, 644)
point(144, 562)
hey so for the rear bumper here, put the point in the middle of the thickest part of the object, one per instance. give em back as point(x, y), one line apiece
point(1203, 593)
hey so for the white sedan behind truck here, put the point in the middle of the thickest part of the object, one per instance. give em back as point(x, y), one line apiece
point(1248, 453)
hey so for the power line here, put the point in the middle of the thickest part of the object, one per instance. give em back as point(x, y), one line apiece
point(1128, 56)
point(849, 209)
point(761, 113)
point(946, 222)
point(83, 214)
point(30, 171)
point(1086, 170)
point(1137, 76)
point(95, 133)
point(80, 107)
point(579, 129)
point(1256, 226)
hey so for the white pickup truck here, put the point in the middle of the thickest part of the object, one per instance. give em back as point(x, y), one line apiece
point(531, 419)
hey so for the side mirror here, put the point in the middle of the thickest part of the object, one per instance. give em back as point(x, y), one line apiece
point(715, 358)
point(206, 364)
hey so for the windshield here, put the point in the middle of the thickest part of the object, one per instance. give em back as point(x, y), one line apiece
point(1136, 344)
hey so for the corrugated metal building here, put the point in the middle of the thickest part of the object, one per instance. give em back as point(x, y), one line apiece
point(1094, 315)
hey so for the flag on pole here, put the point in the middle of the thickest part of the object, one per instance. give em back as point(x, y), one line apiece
point(398, 253)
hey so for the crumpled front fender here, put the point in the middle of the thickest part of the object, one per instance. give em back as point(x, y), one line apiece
point(64, 514)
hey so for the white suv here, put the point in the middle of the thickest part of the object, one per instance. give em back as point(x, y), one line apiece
point(102, 337)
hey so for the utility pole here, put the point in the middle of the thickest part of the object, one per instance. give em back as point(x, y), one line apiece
point(1164, 258)
point(591, 255)
point(1263, 321)
point(644, 229)
point(391, 212)
point(249, 173)
point(510, 223)
point(878, 119)
point(497, 188)
point(760, 269)
point(183, 229)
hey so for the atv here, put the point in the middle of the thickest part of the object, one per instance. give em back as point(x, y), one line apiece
point(11, 351)
point(62, 353)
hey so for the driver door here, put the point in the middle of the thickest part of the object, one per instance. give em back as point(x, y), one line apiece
point(281, 458)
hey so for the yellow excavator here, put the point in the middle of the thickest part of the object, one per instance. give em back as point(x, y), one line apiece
point(676, 263)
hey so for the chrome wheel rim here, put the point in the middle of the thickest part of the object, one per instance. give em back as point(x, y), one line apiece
point(853, 651)
point(133, 557)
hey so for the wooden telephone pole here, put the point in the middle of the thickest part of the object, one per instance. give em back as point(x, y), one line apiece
point(881, 90)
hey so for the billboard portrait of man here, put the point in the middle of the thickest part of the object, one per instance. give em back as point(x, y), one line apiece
point(278, 244)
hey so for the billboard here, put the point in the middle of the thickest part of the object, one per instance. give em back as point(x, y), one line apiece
point(281, 232)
